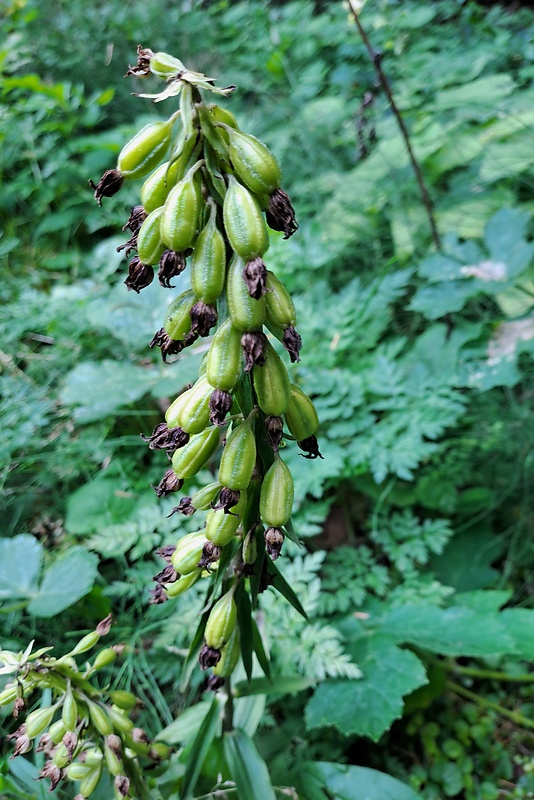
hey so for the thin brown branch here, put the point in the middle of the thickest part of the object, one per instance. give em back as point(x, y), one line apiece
point(376, 59)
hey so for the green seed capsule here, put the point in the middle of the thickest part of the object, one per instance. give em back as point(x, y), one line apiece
point(238, 458)
point(208, 265)
point(221, 527)
point(221, 621)
point(220, 114)
point(100, 719)
point(69, 712)
point(181, 211)
point(113, 760)
point(253, 163)
point(249, 550)
point(229, 656)
point(187, 461)
point(146, 149)
point(157, 186)
point(223, 367)
point(271, 384)
point(184, 582)
point(78, 771)
point(9, 694)
point(61, 757)
point(246, 313)
point(188, 553)
point(120, 720)
point(177, 320)
point(203, 499)
point(38, 721)
point(104, 658)
point(279, 308)
point(57, 731)
point(190, 411)
point(86, 643)
point(300, 416)
point(150, 248)
point(89, 784)
point(277, 493)
point(244, 222)
point(123, 699)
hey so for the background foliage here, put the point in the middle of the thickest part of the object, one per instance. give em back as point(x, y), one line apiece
point(417, 526)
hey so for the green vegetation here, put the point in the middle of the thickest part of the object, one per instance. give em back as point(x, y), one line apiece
point(410, 676)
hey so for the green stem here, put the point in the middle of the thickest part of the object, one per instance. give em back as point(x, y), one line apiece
point(514, 716)
point(492, 675)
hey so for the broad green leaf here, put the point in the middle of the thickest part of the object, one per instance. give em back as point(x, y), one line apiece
point(201, 745)
point(519, 624)
point(248, 712)
point(348, 782)
point(259, 649)
point(506, 242)
point(369, 706)
point(186, 726)
point(98, 504)
point(247, 768)
point(477, 98)
point(466, 561)
point(485, 601)
point(20, 564)
point(69, 579)
point(453, 631)
point(282, 586)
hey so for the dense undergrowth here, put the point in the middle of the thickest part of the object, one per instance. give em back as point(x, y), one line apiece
point(416, 569)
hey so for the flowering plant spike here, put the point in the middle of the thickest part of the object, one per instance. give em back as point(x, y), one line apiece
point(211, 202)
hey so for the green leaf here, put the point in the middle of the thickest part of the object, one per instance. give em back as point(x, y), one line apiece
point(360, 783)
point(282, 586)
point(369, 706)
point(279, 684)
point(69, 579)
point(20, 564)
point(201, 745)
point(466, 561)
point(453, 631)
point(485, 601)
point(247, 768)
point(244, 620)
point(519, 624)
point(98, 504)
point(186, 726)
point(259, 649)
point(248, 712)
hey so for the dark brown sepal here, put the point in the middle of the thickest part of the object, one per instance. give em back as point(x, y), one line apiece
point(254, 345)
point(292, 341)
point(23, 743)
point(203, 318)
point(274, 539)
point(167, 575)
point(165, 438)
point(18, 707)
point(104, 626)
point(184, 507)
point(46, 745)
point(220, 404)
point(122, 785)
point(255, 277)
point(108, 185)
point(142, 68)
point(274, 427)
point(128, 246)
point(209, 657)
point(210, 554)
point(139, 275)
point(310, 447)
point(135, 220)
point(171, 265)
point(168, 484)
point(166, 552)
point(214, 683)
point(55, 774)
point(159, 595)
point(70, 740)
point(280, 214)
point(228, 498)
point(168, 346)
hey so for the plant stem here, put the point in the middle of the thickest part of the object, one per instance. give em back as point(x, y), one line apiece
point(514, 716)
point(492, 675)
point(376, 58)
point(228, 720)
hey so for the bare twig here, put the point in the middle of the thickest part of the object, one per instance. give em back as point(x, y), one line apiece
point(376, 58)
